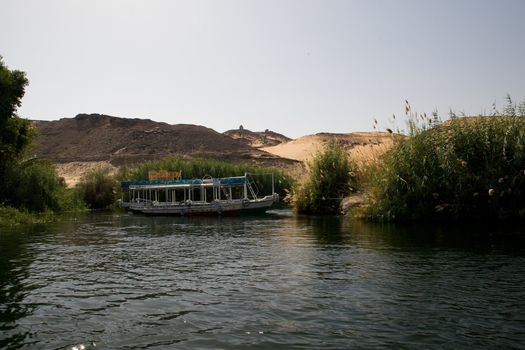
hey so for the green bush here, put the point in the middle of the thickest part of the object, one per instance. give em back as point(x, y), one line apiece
point(39, 187)
point(70, 199)
point(464, 169)
point(98, 189)
point(330, 180)
point(34, 185)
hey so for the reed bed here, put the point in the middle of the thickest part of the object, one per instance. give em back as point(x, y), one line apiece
point(199, 168)
point(470, 168)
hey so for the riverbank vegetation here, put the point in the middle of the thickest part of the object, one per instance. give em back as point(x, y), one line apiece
point(330, 179)
point(469, 168)
point(10, 216)
point(34, 185)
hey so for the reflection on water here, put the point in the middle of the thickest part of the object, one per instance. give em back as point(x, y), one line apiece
point(14, 262)
point(471, 238)
point(274, 281)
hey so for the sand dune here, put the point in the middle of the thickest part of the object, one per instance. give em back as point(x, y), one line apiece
point(361, 146)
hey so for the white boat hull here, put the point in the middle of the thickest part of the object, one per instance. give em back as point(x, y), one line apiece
point(224, 207)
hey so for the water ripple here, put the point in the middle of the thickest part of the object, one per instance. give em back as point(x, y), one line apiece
point(278, 282)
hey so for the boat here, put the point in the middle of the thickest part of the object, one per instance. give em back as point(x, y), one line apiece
point(206, 196)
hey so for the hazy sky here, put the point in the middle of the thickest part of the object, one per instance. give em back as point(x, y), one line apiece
point(296, 67)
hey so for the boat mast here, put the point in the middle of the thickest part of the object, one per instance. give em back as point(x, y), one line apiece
point(273, 186)
point(245, 185)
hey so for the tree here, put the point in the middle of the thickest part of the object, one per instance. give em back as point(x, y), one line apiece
point(15, 133)
point(29, 184)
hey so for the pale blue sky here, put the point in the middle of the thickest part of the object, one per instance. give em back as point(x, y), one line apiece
point(294, 66)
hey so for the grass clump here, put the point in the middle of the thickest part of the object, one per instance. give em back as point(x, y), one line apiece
point(470, 168)
point(330, 179)
point(10, 216)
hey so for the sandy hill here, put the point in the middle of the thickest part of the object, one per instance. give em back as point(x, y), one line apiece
point(257, 139)
point(362, 146)
point(97, 137)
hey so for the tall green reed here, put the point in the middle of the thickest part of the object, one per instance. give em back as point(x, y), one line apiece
point(470, 168)
point(330, 180)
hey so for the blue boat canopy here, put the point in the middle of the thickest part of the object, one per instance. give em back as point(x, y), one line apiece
point(240, 180)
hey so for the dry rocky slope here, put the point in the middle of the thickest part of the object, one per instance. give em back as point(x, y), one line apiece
point(257, 139)
point(97, 137)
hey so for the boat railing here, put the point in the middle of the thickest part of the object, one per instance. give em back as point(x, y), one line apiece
point(252, 186)
point(222, 188)
point(146, 203)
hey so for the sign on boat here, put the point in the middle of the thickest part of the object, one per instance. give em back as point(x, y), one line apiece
point(206, 196)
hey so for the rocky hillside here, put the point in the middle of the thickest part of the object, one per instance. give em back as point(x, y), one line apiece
point(257, 139)
point(97, 137)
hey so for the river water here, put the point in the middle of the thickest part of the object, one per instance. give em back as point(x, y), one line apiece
point(277, 281)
